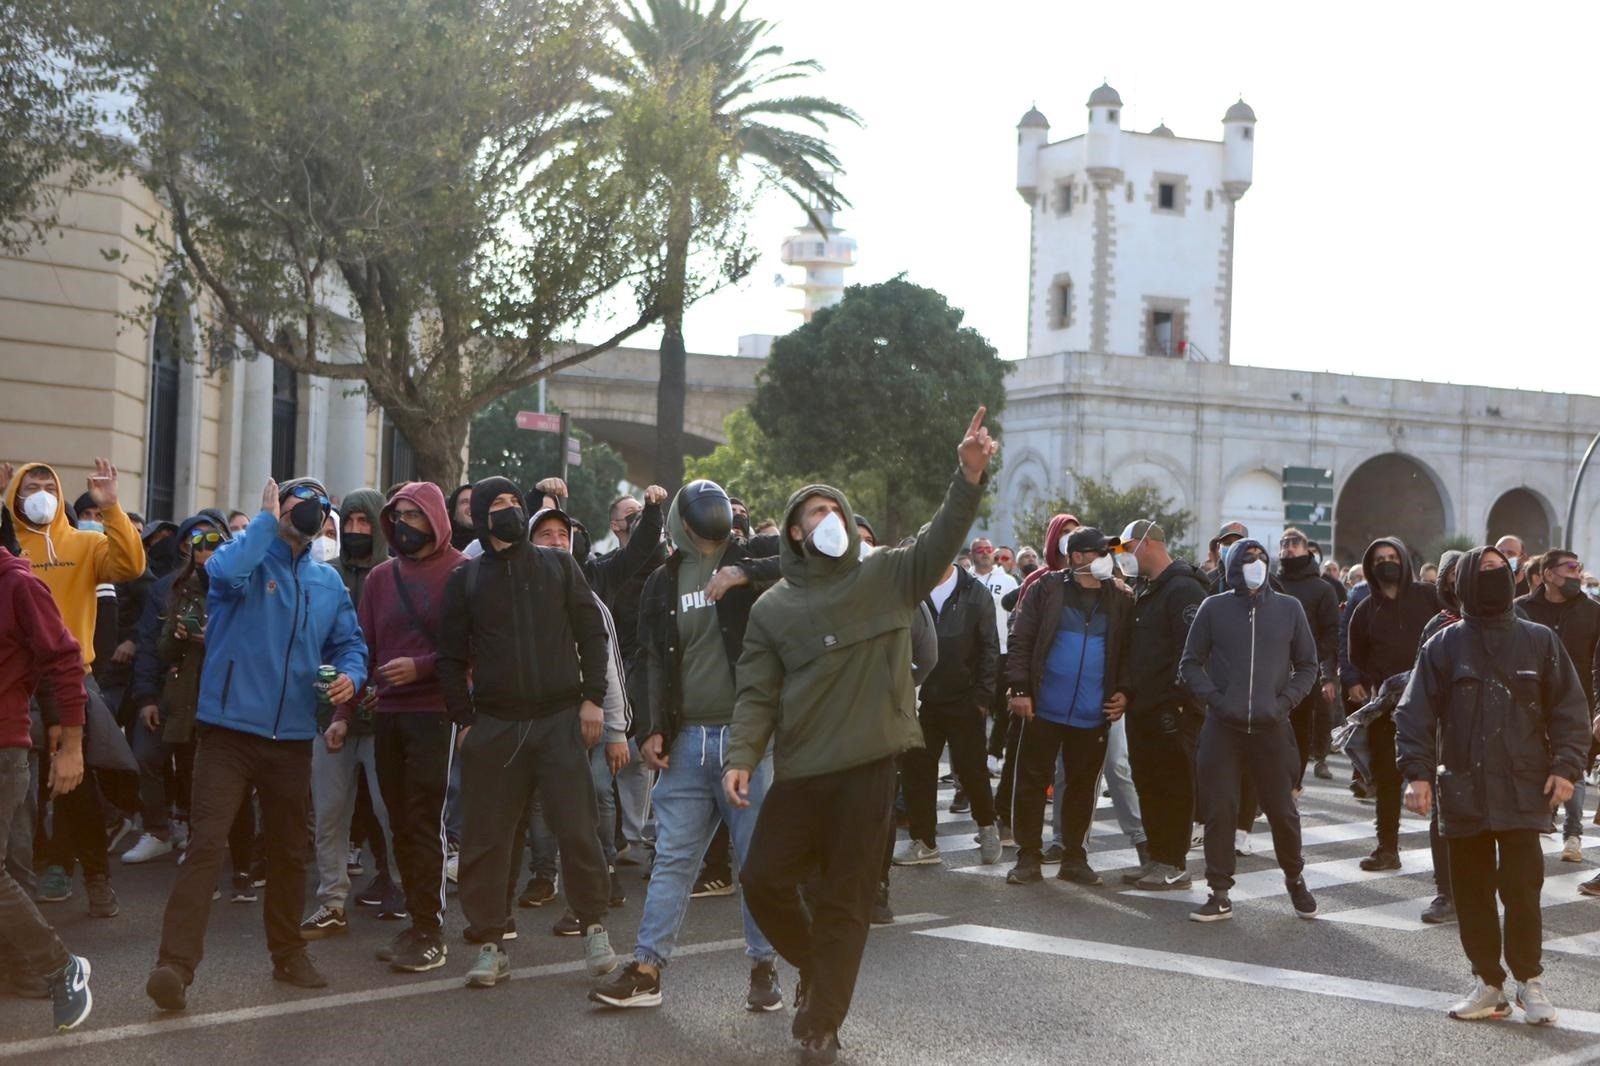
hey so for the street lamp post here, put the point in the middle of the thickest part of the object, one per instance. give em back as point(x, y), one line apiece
point(1577, 483)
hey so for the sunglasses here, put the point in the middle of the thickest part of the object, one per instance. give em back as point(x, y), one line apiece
point(200, 537)
point(982, 551)
point(306, 492)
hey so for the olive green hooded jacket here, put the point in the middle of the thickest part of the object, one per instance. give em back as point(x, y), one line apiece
point(826, 666)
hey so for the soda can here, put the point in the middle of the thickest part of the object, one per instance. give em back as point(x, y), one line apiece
point(326, 676)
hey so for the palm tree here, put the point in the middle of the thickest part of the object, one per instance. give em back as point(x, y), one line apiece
point(720, 58)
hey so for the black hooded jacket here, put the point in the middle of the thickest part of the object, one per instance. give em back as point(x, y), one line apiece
point(524, 624)
point(1163, 610)
point(1300, 578)
point(460, 535)
point(1577, 623)
point(1496, 702)
point(969, 648)
point(1384, 633)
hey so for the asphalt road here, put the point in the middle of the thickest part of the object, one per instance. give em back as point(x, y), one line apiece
point(975, 971)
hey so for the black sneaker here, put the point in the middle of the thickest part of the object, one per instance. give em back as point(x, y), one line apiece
point(1052, 854)
point(540, 890)
point(102, 900)
point(258, 873)
point(326, 921)
point(393, 907)
point(882, 913)
point(800, 1028)
point(167, 988)
point(1442, 911)
point(629, 987)
point(567, 925)
point(820, 1048)
point(398, 946)
point(423, 951)
point(1305, 904)
point(764, 994)
point(1026, 871)
point(243, 890)
point(377, 888)
point(717, 884)
point(1382, 859)
point(298, 970)
point(69, 991)
point(1079, 873)
point(618, 897)
point(1321, 771)
point(959, 803)
point(1216, 909)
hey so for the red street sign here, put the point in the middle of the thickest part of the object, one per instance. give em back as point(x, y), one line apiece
point(539, 423)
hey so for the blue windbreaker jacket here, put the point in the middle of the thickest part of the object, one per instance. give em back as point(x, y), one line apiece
point(272, 620)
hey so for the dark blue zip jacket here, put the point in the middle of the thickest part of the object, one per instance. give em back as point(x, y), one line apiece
point(1250, 658)
point(272, 619)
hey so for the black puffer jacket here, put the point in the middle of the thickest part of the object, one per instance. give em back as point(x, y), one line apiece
point(1163, 610)
point(1250, 658)
point(969, 648)
point(1495, 700)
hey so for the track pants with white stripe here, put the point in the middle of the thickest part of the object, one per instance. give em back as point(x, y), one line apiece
point(413, 750)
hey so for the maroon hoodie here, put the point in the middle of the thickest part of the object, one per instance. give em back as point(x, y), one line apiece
point(35, 647)
point(391, 629)
point(1054, 558)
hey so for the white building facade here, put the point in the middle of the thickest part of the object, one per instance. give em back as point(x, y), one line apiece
point(1127, 377)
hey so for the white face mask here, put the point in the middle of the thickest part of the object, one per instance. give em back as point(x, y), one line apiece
point(1128, 564)
point(1513, 560)
point(1102, 567)
point(866, 549)
point(1255, 574)
point(830, 537)
point(324, 549)
point(40, 508)
point(1062, 543)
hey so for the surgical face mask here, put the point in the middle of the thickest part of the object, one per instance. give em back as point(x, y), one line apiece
point(1102, 568)
point(40, 508)
point(324, 549)
point(866, 549)
point(1128, 563)
point(91, 526)
point(306, 516)
point(1592, 591)
point(1255, 574)
point(830, 537)
point(1062, 543)
point(1513, 562)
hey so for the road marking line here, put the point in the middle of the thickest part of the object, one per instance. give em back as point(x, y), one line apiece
point(180, 1022)
point(1403, 915)
point(1320, 984)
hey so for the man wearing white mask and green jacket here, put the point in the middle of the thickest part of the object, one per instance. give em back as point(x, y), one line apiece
point(825, 677)
point(1250, 660)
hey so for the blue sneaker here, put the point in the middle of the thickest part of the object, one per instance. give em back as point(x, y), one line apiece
point(54, 885)
point(69, 990)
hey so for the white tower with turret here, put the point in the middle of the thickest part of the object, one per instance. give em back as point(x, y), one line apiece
point(1132, 233)
point(825, 255)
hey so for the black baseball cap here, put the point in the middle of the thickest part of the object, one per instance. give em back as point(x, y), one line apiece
point(1087, 539)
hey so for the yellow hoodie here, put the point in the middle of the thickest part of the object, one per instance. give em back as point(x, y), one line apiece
point(73, 561)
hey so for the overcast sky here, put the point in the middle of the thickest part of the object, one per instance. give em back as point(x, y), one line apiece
point(1424, 202)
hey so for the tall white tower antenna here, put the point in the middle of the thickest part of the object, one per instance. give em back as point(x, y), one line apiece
point(824, 255)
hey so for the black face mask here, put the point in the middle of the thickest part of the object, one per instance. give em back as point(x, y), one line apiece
point(162, 557)
point(508, 524)
point(355, 545)
point(306, 517)
point(1496, 589)
point(1027, 568)
point(1571, 587)
point(1387, 573)
point(409, 540)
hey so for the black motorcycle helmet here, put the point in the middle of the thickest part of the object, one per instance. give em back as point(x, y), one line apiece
point(706, 510)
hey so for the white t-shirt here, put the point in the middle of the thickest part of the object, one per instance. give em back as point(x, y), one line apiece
point(998, 582)
point(941, 592)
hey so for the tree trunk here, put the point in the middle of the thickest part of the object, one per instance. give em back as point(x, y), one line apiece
point(672, 388)
point(438, 447)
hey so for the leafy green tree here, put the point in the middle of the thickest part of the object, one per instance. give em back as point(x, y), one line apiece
point(874, 388)
point(497, 446)
point(1099, 503)
point(385, 191)
point(712, 69)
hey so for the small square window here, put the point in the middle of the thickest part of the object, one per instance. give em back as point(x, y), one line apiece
point(1111, 116)
point(1166, 196)
point(1064, 198)
point(1248, 132)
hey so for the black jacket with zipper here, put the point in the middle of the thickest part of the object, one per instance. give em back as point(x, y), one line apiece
point(969, 648)
point(661, 710)
point(1577, 623)
point(1163, 610)
point(525, 627)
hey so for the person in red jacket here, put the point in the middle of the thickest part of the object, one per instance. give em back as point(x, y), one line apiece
point(400, 613)
point(37, 651)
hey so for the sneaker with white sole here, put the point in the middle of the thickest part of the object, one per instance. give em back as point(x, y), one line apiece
point(493, 965)
point(597, 953)
point(1217, 908)
point(1536, 1006)
point(989, 848)
point(765, 993)
point(631, 987)
point(1164, 878)
point(148, 848)
point(1482, 1001)
point(1572, 850)
point(916, 853)
point(452, 865)
point(70, 995)
point(1197, 837)
point(1305, 904)
point(1241, 843)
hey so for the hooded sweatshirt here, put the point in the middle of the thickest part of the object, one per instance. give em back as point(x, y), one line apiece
point(391, 629)
point(826, 665)
point(149, 671)
point(460, 535)
point(36, 650)
point(1385, 633)
point(368, 502)
point(707, 675)
point(71, 562)
point(1054, 558)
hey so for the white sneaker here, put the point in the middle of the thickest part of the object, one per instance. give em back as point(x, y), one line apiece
point(178, 831)
point(1241, 843)
point(452, 867)
point(1573, 850)
point(1483, 1001)
point(916, 853)
point(1536, 1006)
point(995, 765)
point(148, 847)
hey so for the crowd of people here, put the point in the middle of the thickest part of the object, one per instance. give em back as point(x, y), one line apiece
point(440, 685)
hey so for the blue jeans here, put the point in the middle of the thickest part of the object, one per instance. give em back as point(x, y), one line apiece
point(689, 803)
point(1574, 809)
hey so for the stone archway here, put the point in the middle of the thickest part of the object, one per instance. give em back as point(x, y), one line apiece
point(1390, 495)
point(1521, 513)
